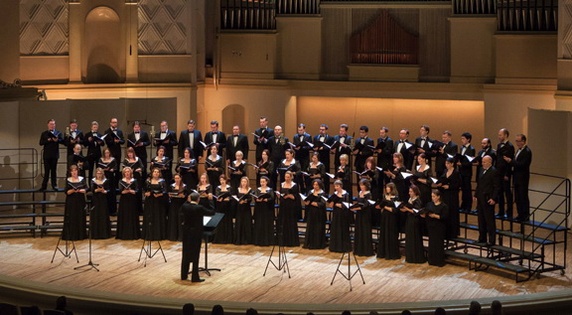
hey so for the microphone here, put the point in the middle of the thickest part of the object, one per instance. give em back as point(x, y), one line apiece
point(67, 131)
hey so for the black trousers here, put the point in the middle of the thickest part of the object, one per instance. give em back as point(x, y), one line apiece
point(486, 219)
point(191, 253)
point(505, 198)
point(50, 168)
point(466, 193)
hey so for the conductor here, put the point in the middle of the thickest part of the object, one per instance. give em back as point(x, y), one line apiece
point(192, 235)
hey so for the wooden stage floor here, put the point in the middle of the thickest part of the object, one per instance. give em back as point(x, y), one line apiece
point(390, 286)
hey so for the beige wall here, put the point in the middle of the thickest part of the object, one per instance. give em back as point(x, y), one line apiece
point(10, 39)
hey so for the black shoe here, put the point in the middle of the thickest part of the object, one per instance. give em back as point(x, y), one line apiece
point(197, 280)
point(55, 188)
point(42, 189)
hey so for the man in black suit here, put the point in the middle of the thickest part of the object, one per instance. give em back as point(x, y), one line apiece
point(466, 170)
point(72, 137)
point(139, 140)
point(521, 176)
point(191, 138)
point(486, 149)
point(114, 140)
point(504, 149)
point(193, 229)
point(342, 145)
point(384, 149)
point(322, 144)
point(447, 147)
point(217, 138)
point(486, 195)
point(423, 144)
point(277, 145)
point(236, 142)
point(50, 139)
point(94, 144)
point(261, 136)
point(363, 149)
point(168, 139)
point(301, 147)
point(406, 149)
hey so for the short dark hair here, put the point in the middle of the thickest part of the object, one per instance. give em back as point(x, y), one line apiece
point(345, 126)
point(194, 196)
point(426, 127)
point(364, 128)
point(467, 135)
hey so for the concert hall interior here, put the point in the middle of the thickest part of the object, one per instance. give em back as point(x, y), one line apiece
point(459, 65)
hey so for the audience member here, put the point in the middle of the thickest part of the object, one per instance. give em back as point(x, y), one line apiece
point(496, 308)
point(475, 308)
point(217, 310)
point(189, 309)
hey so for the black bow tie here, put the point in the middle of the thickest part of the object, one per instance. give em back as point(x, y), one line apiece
point(236, 136)
point(137, 133)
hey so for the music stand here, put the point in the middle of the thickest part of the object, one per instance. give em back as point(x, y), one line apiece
point(146, 246)
point(349, 275)
point(67, 253)
point(209, 231)
point(282, 260)
point(90, 263)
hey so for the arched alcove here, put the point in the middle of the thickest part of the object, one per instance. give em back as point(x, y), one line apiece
point(233, 115)
point(103, 59)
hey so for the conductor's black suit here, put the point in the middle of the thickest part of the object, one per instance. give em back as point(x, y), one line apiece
point(192, 235)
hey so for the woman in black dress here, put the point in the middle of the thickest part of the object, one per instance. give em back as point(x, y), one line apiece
point(371, 173)
point(128, 215)
point(155, 209)
point(177, 196)
point(135, 163)
point(162, 163)
point(363, 243)
point(243, 224)
point(436, 215)
point(414, 250)
point(388, 246)
point(264, 214)
point(340, 241)
point(188, 168)
point(344, 174)
point(396, 177)
point(290, 207)
point(109, 165)
point(316, 170)
point(205, 191)
point(264, 167)
point(74, 213)
point(237, 169)
point(99, 222)
point(315, 216)
point(225, 229)
point(422, 178)
point(289, 163)
point(449, 184)
point(214, 165)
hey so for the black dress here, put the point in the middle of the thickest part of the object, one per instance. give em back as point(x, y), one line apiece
point(74, 214)
point(225, 229)
point(243, 223)
point(164, 165)
point(128, 215)
point(424, 189)
point(99, 222)
point(414, 250)
point(288, 214)
point(216, 168)
point(436, 229)
point(236, 173)
point(155, 211)
point(315, 220)
point(138, 164)
point(363, 243)
point(264, 217)
point(340, 241)
point(403, 189)
point(109, 170)
point(204, 196)
point(344, 173)
point(189, 172)
point(450, 197)
point(265, 169)
point(388, 246)
point(177, 197)
point(317, 171)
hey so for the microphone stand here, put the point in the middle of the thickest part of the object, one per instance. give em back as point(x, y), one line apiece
point(90, 264)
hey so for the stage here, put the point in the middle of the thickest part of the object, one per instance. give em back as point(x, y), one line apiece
point(125, 283)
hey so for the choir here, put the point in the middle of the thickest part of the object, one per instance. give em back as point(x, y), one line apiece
point(397, 190)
